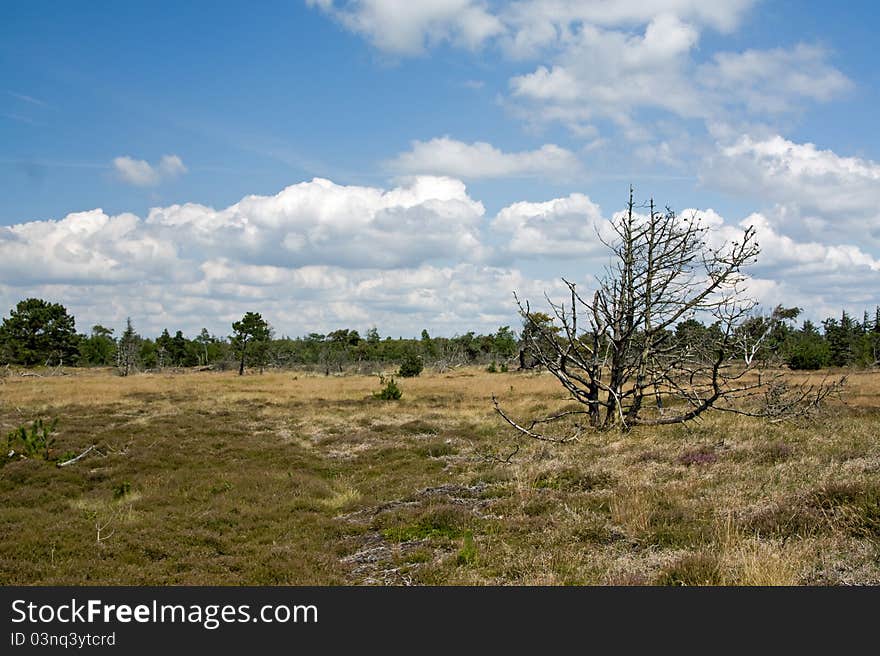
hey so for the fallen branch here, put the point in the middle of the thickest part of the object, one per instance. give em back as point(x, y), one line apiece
point(528, 431)
point(504, 460)
point(77, 458)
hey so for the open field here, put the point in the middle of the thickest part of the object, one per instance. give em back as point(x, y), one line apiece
point(287, 478)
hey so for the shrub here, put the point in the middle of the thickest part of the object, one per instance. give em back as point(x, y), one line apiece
point(36, 440)
point(122, 490)
point(810, 355)
point(390, 391)
point(411, 366)
point(700, 456)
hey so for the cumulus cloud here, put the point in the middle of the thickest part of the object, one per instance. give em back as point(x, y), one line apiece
point(820, 278)
point(404, 27)
point(321, 222)
point(84, 247)
point(563, 227)
point(614, 74)
point(447, 156)
point(143, 174)
point(308, 223)
point(817, 276)
point(312, 256)
point(774, 81)
point(818, 192)
point(318, 256)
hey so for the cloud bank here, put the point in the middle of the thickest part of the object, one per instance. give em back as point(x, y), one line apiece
point(423, 254)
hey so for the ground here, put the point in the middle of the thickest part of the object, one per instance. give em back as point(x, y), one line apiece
point(295, 478)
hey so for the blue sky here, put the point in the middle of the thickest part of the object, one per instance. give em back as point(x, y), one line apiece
point(537, 115)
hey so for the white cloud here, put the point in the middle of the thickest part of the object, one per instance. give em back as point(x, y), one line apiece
point(819, 193)
point(317, 222)
point(817, 276)
point(536, 25)
point(773, 81)
point(447, 156)
point(609, 74)
point(315, 256)
point(614, 74)
point(547, 84)
point(170, 166)
point(820, 278)
point(321, 222)
point(609, 60)
point(87, 247)
point(404, 27)
point(809, 260)
point(563, 227)
point(143, 174)
point(319, 256)
point(525, 28)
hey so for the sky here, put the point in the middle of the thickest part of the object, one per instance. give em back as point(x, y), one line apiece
point(410, 165)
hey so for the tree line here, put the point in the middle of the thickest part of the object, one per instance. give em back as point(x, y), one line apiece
point(38, 332)
point(41, 333)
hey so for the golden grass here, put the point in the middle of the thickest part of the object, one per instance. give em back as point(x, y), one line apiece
point(294, 478)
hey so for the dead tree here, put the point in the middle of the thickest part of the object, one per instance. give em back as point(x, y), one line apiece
point(615, 351)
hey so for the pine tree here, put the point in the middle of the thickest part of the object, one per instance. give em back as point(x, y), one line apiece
point(38, 332)
point(251, 332)
point(128, 351)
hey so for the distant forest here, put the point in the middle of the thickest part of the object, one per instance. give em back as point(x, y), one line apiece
point(41, 333)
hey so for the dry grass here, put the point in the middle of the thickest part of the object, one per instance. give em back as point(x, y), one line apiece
point(290, 478)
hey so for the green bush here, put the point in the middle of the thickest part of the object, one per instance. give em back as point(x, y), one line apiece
point(34, 441)
point(122, 490)
point(809, 354)
point(411, 366)
point(390, 390)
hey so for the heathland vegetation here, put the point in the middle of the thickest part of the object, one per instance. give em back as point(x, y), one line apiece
point(660, 430)
point(301, 478)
